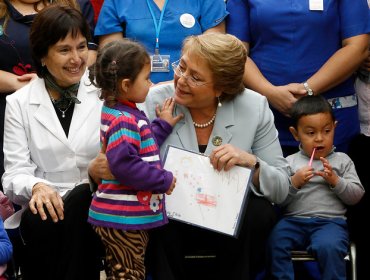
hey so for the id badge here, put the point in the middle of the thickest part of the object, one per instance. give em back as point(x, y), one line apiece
point(160, 63)
point(316, 5)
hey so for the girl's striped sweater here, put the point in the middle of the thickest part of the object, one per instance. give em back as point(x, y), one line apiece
point(135, 200)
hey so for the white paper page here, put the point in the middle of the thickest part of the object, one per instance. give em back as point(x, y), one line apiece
point(204, 196)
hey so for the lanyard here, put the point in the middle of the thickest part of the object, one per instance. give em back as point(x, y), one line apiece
point(157, 26)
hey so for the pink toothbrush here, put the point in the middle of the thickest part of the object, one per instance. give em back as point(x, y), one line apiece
point(311, 159)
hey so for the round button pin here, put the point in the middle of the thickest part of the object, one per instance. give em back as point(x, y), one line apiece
point(217, 141)
point(187, 20)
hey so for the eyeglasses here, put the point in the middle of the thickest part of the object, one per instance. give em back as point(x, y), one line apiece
point(192, 81)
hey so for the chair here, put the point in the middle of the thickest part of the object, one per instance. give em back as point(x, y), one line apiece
point(304, 256)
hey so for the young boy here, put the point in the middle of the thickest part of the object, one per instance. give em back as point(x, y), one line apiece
point(323, 182)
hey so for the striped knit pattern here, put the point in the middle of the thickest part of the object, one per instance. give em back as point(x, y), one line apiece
point(134, 201)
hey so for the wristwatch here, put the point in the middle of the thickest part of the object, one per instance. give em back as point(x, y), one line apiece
point(307, 88)
point(256, 165)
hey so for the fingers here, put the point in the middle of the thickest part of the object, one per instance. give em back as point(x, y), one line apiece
point(223, 158)
point(170, 190)
point(99, 168)
point(308, 177)
point(32, 206)
point(157, 110)
point(165, 111)
point(168, 104)
point(103, 147)
point(46, 200)
point(328, 169)
point(323, 174)
point(59, 208)
point(172, 187)
point(50, 208)
point(26, 77)
point(178, 117)
point(40, 208)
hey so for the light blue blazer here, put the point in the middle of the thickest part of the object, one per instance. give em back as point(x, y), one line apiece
point(245, 122)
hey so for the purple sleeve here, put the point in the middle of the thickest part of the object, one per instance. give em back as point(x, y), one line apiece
point(128, 166)
point(161, 129)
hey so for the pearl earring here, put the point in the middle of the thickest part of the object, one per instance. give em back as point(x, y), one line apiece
point(219, 102)
point(43, 64)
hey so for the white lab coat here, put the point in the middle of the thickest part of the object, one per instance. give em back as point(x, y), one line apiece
point(36, 148)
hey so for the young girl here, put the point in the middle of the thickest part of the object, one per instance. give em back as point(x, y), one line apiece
point(124, 208)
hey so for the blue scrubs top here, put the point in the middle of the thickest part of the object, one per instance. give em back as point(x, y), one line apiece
point(133, 18)
point(289, 43)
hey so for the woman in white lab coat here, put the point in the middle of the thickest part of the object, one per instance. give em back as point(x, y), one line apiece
point(51, 134)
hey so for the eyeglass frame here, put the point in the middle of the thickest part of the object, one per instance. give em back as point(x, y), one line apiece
point(175, 66)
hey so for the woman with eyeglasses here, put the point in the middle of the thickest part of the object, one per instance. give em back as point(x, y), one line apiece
point(233, 126)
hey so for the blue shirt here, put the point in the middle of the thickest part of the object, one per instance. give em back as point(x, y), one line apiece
point(133, 18)
point(289, 43)
point(6, 247)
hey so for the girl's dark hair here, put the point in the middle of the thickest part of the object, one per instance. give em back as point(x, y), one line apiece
point(52, 24)
point(117, 60)
point(310, 105)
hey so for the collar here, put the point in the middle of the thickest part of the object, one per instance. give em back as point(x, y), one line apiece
point(128, 103)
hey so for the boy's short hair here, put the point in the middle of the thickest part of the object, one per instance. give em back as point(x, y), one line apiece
point(310, 105)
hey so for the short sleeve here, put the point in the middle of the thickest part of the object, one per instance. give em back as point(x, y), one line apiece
point(213, 12)
point(108, 20)
point(354, 18)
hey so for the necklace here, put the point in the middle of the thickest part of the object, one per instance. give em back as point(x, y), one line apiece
point(203, 125)
point(64, 111)
point(55, 105)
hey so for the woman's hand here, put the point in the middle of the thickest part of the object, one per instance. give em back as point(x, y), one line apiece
point(10, 82)
point(283, 97)
point(43, 195)
point(302, 176)
point(165, 112)
point(99, 168)
point(226, 156)
point(27, 77)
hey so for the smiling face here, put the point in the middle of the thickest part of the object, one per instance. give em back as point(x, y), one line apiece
point(199, 97)
point(66, 60)
point(315, 131)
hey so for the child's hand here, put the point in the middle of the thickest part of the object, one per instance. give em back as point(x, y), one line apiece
point(328, 174)
point(302, 176)
point(165, 113)
point(170, 190)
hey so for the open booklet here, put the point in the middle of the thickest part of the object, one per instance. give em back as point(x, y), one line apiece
point(204, 196)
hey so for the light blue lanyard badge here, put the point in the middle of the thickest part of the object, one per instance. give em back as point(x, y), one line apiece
point(159, 63)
